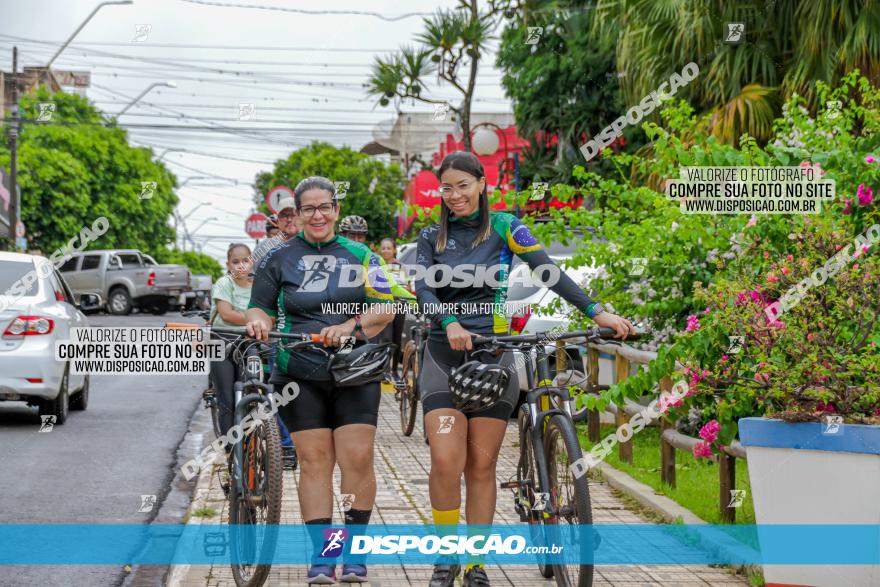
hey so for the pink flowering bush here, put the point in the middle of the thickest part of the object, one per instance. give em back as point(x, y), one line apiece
point(820, 356)
point(824, 348)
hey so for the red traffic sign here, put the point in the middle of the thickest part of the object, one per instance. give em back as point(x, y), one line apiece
point(255, 225)
point(276, 194)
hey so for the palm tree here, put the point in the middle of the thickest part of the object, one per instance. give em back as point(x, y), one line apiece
point(452, 44)
point(787, 46)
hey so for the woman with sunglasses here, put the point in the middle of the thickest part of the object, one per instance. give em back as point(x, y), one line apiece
point(331, 423)
point(469, 234)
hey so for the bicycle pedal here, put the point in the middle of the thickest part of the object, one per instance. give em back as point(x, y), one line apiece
point(510, 485)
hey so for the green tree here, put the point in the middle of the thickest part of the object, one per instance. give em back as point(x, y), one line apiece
point(78, 167)
point(377, 206)
point(563, 83)
point(198, 263)
point(787, 46)
point(452, 43)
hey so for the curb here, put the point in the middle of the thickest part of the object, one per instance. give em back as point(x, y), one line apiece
point(661, 505)
point(178, 573)
point(672, 512)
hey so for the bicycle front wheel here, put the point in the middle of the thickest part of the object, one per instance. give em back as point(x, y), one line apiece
point(527, 485)
point(569, 495)
point(409, 399)
point(255, 510)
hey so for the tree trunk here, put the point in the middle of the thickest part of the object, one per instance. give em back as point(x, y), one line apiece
point(472, 82)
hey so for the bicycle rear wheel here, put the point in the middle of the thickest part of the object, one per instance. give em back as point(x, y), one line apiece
point(255, 513)
point(569, 496)
point(527, 483)
point(409, 399)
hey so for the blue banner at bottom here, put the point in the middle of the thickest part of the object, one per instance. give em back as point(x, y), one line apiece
point(633, 544)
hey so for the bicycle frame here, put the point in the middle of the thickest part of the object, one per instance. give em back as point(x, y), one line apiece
point(250, 381)
point(541, 406)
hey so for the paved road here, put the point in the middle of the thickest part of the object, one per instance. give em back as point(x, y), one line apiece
point(95, 468)
point(402, 498)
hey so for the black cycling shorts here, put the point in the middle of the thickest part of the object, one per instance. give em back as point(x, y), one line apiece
point(438, 362)
point(322, 405)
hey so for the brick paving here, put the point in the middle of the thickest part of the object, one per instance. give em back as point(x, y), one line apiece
point(402, 467)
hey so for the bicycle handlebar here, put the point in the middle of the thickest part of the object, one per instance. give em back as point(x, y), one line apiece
point(240, 331)
point(550, 336)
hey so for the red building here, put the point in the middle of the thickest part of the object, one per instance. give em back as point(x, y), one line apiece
point(501, 168)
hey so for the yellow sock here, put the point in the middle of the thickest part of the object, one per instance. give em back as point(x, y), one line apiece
point(446, 517)
point(468, 567)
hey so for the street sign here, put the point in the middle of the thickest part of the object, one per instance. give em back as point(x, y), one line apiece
point(276, 194)
point(255, 225)
point(19, 229)
point(79, 79)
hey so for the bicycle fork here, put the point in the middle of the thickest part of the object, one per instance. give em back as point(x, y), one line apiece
point(242, 407)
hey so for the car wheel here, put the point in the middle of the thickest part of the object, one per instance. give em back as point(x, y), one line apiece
point(119, 302)
point(59, 405)
point(80, 400)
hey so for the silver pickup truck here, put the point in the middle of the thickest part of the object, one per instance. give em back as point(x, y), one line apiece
point(127, 279)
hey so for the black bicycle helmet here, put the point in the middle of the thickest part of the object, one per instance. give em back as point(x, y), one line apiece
point(476, 386)
point(364, 364)
point(353, 224)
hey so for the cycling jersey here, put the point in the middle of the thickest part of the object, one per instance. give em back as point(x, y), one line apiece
point(296, 281)
point(508, 236)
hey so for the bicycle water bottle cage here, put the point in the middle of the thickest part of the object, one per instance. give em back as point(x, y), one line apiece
point(476, 386)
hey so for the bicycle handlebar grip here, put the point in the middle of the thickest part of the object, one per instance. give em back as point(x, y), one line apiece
point(315, 338)
point(181, 326)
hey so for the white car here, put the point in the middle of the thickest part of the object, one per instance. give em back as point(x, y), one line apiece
point(37, 309)
point(530, 300)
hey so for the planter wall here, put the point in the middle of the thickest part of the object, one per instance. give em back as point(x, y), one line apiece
point(806, 473)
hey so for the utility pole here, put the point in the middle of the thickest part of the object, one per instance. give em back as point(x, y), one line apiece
point(13, 154)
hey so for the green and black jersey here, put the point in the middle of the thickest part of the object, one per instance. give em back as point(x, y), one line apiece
point(508, 237)
point(298, 281)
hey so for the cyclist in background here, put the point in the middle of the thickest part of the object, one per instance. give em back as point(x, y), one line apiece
point(393, 333)
point(333, 421)
point(229, 302)
point(272, 226)
point(354, 228)
point(470, 234)
point(287, 225)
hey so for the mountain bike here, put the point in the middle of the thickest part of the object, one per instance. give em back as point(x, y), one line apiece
point(545, 491)
point(408, 395)
point(255, 469)
point(209, 395)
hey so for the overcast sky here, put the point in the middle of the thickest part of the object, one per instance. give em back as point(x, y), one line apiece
point(302, 72)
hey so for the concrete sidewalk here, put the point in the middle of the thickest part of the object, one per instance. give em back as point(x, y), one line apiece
point(402, 467)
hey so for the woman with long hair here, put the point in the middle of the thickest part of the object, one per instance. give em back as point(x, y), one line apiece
point(471, 235)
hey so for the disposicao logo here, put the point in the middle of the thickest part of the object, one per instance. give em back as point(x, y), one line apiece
point(334, 540)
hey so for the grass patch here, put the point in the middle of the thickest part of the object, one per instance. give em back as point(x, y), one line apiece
point(204, 512)
point(696, 481)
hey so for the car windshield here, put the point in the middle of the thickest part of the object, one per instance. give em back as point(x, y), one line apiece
point(11, 272)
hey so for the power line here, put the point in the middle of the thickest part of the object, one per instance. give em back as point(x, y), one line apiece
point(229, 106)
point(312, 12)
point(214, 124)
point(197, 46)
point(202, 154)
